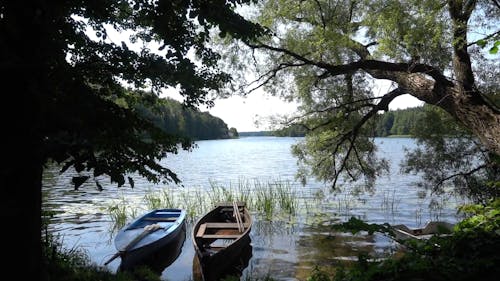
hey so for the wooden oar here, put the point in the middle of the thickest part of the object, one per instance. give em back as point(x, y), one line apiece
point(241, 228)
point(147, 230)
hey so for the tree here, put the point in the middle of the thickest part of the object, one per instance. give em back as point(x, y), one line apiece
point(61, 74)
point(233, 133)
point(334, 51)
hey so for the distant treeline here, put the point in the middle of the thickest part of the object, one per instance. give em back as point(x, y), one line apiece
point(394, 122)
point(398, 122)
point(257, 134)
point(176, 119)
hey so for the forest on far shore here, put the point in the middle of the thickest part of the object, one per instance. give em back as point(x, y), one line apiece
point(399, 122)
point(176, 119)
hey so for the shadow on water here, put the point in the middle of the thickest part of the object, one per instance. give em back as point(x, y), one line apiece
point(160, 259)
point(233, 271)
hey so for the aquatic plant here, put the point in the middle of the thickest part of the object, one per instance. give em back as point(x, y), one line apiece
point(286, 196)
point(118, 214)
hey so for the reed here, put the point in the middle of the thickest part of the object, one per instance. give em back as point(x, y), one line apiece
point(243, 191)
point(152, 200)
point(287, 197)
point(265, 199)
point(389, 202)
point(168, 198)
point(219, 193)
point(191, 202)
point(118, 214)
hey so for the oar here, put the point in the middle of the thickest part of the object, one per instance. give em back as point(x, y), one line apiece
point(236, 210)
point(147, 229)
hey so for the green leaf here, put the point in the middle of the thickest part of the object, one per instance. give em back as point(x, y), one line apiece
point(494, 50)
point(481, 43)
point(78, 181)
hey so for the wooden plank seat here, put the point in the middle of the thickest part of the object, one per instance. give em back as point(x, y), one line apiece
point(201, 230)
point(224, 225)
point(220, 236)
point(218, 225)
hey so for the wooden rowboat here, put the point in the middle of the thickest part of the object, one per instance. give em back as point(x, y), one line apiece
point(220, 237)
point(148, 234)
point(402, 232)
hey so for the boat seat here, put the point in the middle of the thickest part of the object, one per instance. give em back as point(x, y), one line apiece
point(224, 225)
point(217, 225)
point(201, 230)
point(221, 236)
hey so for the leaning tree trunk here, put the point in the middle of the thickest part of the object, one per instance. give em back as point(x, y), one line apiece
point(479, 116)
point(468, 106)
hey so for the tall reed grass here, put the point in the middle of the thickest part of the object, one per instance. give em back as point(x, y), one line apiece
point(264, 199)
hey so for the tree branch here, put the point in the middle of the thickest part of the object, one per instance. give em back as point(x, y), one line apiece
point(272, 74)
point(367, 65)
point(352, 134)
point(463, 174)
point(484, 38)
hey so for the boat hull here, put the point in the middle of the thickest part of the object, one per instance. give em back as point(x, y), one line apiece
point(219, 249)
point(218, 270)
point(136, 243)
point(167, 250)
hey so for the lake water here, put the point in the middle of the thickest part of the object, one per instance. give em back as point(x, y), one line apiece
point(286, 247)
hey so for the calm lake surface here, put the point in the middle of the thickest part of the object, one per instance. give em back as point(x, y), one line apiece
point(286, 247)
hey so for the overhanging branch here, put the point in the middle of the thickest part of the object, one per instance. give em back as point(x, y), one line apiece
point(352, 134)
point(367, 65)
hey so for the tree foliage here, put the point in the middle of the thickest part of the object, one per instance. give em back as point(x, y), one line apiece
point(448, 155)
point(176, 119)
point(328, 56)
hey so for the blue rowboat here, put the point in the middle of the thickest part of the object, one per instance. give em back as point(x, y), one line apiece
point(153, 231)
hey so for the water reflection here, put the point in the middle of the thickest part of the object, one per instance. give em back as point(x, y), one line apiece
point(233, 269)
point(291, 252)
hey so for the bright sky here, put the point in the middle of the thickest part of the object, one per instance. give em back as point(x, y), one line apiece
point(250, 113)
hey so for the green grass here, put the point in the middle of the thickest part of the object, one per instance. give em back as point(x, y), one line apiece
point(266, 200)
